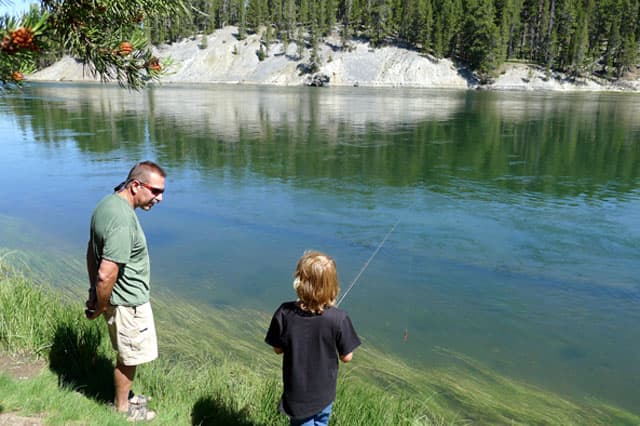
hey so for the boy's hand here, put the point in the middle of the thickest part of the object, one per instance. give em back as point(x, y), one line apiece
point(346, 358)
point(278, 350)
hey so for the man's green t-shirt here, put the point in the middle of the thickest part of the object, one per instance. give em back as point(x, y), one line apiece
point(116, 235)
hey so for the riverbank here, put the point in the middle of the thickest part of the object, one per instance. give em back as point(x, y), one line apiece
point(215, 369)
point(220, 58)
point(195, 381)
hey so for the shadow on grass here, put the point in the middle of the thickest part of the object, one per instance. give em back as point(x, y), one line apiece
point(210, 411)
point(76, 359)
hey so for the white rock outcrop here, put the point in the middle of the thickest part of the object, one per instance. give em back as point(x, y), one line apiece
point(222, 58)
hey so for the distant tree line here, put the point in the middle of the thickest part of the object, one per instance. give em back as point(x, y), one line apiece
point(577, 37)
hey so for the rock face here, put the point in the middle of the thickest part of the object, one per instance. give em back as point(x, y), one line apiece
point(317, 80)
point(223, 58)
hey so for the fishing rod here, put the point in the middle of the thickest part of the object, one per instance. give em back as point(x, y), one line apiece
point(366, 264)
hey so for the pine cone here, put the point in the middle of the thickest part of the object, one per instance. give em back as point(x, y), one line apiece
point(153, 64)
point(22, 38)
point(126, 48)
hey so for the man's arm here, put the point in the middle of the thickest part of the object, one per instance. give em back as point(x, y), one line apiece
point(278, 350)
point(92, 271)
point(92, 268)
point(106, 277)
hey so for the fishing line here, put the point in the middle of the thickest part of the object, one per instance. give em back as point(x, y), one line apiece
point(366, 264)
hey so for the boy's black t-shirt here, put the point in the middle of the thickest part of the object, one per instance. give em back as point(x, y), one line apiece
point(311, 345)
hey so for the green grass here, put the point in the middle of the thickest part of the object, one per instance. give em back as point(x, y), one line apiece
point(215, 369)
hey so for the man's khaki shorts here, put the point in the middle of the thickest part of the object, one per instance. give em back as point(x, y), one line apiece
point(133, 333)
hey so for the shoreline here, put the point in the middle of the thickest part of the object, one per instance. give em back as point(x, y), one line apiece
point(221, 58)
point(223, 352)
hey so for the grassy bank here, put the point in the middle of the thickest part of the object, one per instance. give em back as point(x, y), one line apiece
point(215, 369)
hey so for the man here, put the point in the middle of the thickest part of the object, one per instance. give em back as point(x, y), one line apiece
point(119, 274)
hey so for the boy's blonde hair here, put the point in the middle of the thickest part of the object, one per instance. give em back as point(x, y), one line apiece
point(316, 281)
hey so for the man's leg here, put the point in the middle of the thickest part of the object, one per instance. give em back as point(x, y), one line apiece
point(123, 378)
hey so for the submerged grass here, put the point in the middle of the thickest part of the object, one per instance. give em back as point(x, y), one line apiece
point(215, 369)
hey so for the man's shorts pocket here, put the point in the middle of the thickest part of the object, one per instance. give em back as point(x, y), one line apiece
point(133, 333)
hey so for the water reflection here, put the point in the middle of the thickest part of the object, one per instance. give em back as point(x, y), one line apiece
point(539, 143)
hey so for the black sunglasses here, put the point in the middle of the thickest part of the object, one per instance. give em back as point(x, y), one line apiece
point(155, 191)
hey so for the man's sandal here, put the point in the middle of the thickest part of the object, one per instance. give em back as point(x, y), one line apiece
point(140, 400)
point(140, 413)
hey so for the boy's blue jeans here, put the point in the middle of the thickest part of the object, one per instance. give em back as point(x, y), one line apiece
point(318, 419)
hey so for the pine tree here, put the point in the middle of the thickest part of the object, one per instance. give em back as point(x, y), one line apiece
point(304, 18)
point(550, 39)
point(528, 37)
point(613, 47)
point(321, 17)
point(406, 10)
point(345, 15)
point(358, 16)
point(242, 20)
point(380, 16)
point(447, 26)
point(507, 14)
point(110, 37)
point(290, 18)
point(479, 43)
point(256, 14)
point(627, 53)
point(580, 45)
point(422, 25)
point(331, 12)
point(565, 28)
point(275, 14)
point(267, 38)
point(300, 42)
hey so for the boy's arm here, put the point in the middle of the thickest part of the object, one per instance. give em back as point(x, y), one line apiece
point(347, 340)
point(346, 358)
point(273, 337)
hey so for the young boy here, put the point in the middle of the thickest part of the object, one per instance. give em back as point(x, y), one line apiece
point(312, 334)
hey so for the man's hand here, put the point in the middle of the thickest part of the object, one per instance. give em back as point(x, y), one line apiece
point(91, 314)
point(91, 304)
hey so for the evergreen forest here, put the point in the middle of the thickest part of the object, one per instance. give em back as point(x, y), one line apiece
point(577, 37)
point(580, 38)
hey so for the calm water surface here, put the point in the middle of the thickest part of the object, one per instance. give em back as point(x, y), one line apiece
point(517, 236)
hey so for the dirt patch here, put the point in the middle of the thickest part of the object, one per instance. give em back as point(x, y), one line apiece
point(10, 419)
point(21, 367)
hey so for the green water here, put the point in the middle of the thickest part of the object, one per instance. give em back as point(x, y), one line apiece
point(517, 234)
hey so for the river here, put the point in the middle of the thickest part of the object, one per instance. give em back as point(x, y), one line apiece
point(512, 218)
